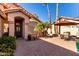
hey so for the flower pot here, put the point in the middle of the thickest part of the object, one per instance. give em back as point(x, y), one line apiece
point(77, 46)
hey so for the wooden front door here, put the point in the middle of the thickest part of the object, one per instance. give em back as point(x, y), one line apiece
point(18, 29)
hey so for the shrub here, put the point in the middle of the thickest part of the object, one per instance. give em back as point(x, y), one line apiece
point(7, 44)
point(55, 35)
point(77, 44)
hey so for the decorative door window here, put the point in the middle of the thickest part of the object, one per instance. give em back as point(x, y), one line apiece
point(18, 27)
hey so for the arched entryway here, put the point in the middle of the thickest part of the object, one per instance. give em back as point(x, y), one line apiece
point(19, 26)
point(16, 21)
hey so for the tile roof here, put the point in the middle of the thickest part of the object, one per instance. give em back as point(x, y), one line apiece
point(69, 18)
point(2, 14)
point(13, 7)
point(65, 21)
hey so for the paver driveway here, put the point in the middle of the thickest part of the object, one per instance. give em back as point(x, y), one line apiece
point(40, 48)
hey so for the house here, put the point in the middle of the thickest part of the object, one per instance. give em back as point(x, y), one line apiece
point(67, 24)
point(16, 21)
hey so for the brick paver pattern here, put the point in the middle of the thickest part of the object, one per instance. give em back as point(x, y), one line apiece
point(40, 48)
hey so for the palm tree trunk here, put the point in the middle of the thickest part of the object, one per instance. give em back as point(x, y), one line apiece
point(49, 18)
point(56, 27)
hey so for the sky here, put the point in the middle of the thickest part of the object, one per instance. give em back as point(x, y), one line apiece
point(64, 9)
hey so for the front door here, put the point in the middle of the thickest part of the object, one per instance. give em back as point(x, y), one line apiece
point(18, 29)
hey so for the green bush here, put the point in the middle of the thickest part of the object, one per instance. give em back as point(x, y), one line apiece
point(77, 44)
point(77, 40)
point(7, 44)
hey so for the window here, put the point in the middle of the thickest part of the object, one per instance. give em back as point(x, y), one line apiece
point(77, 26)
point(18, 28)
point(6, 27)
point(67, 26)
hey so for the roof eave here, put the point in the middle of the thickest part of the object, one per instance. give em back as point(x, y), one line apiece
point(23, 11)
point(2, 14)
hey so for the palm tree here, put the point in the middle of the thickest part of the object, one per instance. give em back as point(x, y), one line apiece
point(49, 17)
point(46, 24)
point(56, 11)
point(42, 28)
point(56, 27)
point(39, 29)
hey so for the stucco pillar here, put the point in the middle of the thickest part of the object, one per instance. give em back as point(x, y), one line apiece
point(26, 27)
point(1, 26)
point(11, 26)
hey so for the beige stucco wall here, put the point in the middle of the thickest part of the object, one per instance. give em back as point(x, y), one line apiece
point(72, 30)
point(32, 25)
point(53, 31)
point(11, 18)
point(1, 28)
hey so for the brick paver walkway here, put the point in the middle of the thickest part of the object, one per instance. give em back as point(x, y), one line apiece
point(40, 48)
point(70, 45)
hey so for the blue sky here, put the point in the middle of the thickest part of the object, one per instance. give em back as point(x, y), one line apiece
point(65, 9)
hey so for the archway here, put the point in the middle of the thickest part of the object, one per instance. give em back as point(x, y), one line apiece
point(19, 26)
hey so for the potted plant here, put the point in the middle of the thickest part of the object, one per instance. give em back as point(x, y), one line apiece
point(29, 37)
point(77, 44)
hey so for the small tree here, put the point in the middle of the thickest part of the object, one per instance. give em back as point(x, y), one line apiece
point(42, 28)
point(39, 28)
point(46, 24)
